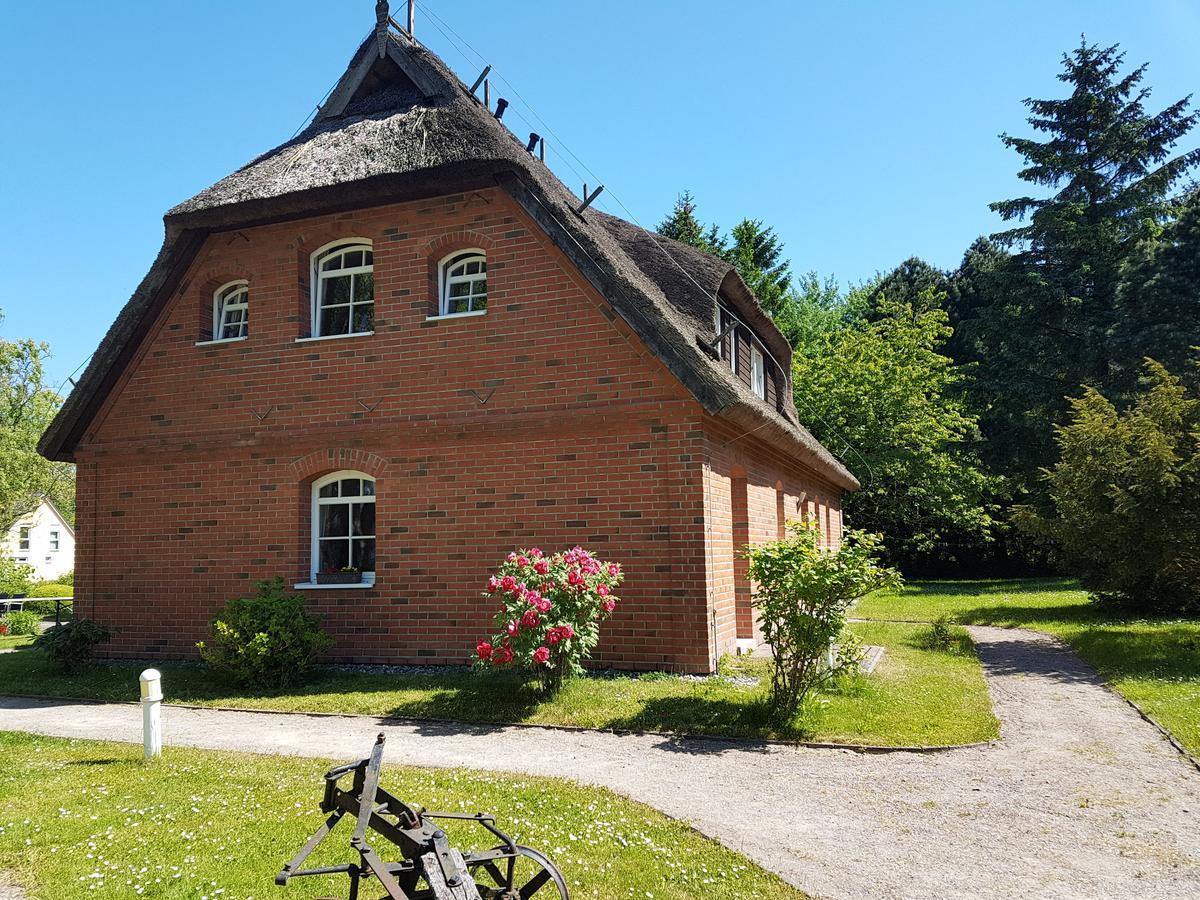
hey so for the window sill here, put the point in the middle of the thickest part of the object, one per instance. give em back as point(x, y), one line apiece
point(334, 337)
point(313, 586)
point(220, 341)
point(466, 315)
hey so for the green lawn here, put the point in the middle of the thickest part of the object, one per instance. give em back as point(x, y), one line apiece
point(915, 697)
point(1153, 662)
point(9, 641)
point(79, 818)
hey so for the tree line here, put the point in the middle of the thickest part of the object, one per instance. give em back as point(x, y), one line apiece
point(952, 395)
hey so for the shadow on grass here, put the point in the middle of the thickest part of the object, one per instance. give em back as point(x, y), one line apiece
point(1017, 616)
point(969, 587)
point(1166, 651)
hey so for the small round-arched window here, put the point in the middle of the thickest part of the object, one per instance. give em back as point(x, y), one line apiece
point(463, 283)
point(343, 523)
point(231, 311)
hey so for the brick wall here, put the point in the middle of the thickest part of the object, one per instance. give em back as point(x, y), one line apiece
point(543, 422)
point(742, 473)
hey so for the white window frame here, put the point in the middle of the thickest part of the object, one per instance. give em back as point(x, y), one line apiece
point(317, 277)
point(236, 289)
point(54, 543)
point(315, 525)
point(758, 372)
point(23, 533)
point(445, 280)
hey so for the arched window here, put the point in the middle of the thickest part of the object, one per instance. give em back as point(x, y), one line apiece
point(343, 523)
point(231, 311)
point(343, 286)
point(463, 283)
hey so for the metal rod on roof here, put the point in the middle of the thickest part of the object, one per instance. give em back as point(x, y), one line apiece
point(481, 79)
point(501, 106)
point(587, 200)
point(542, 149)
point(412, 16)
point(487, 93)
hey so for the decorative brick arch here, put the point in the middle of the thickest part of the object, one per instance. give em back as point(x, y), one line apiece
point(319, 462)
point(445, 243)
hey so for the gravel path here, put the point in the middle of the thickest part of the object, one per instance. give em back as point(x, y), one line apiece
point(1080, 798)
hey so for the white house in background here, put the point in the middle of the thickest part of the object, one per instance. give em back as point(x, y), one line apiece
point(43, 541)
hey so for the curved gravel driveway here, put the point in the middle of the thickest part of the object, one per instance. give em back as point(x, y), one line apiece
point(1080, 797)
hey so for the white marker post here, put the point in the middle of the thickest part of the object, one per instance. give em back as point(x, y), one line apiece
point(152, 695)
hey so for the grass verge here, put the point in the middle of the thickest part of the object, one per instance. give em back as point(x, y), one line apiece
point(1154, 662)
point(12, 641)
point(915, 697)
point(90, 819)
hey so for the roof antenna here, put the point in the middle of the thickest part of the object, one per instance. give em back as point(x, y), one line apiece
point(501, 106)
point(412, 16)
point(382, 17)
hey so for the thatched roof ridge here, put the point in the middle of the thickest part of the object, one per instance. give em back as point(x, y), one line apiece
point(404, 126)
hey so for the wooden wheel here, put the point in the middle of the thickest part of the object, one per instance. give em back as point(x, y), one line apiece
point(525, 875)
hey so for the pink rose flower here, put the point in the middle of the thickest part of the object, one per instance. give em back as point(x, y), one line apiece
point(535, 552)
point(493, 584)
point(508, 582)
point(541, 655)
point(614, 569)
point(512, 557)
point(566, 631)
point(501, 656)
point(609, 605)
point(553, 635)
point(484, 649)
point(530, 619)
point(544, 606)
point(542, 567)
point(512, 628)
point(522, 560)
point(602, 590)
point(574, 578)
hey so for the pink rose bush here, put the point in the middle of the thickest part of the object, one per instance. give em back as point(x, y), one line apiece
point(550, 611)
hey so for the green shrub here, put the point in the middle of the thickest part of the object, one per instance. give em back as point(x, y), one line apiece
point(51, 589)
point(22, 622)
point(1126, 496)
point(942, 636)
point(803, 593)
point(15, 579)
point(70, 645)
point(65, 578)
point(268, 640)
point(45, 608)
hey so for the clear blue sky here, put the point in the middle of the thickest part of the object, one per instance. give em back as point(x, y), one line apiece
point(865, 132)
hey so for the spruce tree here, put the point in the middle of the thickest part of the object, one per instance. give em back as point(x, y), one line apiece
point(1160, 299)
point(1048, 327)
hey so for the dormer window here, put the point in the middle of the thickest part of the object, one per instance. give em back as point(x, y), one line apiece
point(463, 284)
point(344, 289)
point(231, 311)
point(758, 374)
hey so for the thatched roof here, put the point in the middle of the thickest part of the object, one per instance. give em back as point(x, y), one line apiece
point(402, 126)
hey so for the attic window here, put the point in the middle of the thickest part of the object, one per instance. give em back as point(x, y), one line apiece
point(758, 374)
point(463, 283)
point(344, 289)
point(231, 311)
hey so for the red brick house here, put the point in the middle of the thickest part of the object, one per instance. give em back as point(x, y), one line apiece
point(395, 342)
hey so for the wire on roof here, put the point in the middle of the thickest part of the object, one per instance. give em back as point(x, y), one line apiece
point(458, 40)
